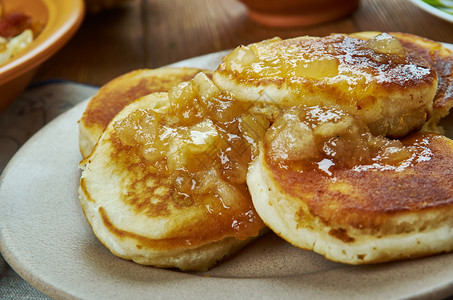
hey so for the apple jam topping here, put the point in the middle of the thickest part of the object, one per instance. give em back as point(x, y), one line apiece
point(307, 138)
point(385, 43)
point(249, 61)
point(203, 140)
point(335, 58)
point(17, 31)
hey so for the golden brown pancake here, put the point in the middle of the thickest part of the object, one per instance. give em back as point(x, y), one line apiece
point(388, 87)
point(348, 195)
point(165, 184)
point(440, 59)
point(116, 94)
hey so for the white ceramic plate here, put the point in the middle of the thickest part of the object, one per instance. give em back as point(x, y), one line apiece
point(434, 10)
point(44, 236)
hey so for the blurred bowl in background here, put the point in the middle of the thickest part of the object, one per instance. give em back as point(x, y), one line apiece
point(291, 13)
point(61, 18)
point(95, 6)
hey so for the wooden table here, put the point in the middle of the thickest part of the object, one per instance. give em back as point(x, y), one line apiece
point(154, 33)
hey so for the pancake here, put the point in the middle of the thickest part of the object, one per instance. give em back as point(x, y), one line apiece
point(350, 196)
point(114, 95)
point(440, 59)
point(165, 184)
point(388, 86)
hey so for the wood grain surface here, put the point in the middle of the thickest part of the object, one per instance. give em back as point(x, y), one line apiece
point(154, 33)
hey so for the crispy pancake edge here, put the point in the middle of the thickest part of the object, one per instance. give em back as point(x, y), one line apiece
point(422, 232)
point(181, 252)
point(113, 96)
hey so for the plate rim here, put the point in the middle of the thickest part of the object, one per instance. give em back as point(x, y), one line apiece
point(433, 10)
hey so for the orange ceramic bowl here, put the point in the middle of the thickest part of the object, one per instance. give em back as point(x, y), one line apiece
point(61, 18)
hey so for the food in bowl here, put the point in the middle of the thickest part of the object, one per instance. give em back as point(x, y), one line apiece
point(17, 31)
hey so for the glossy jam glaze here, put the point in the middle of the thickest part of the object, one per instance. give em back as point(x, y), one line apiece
point(196, 153)
point(325, 139)
point(349, 177)
point(335, 58)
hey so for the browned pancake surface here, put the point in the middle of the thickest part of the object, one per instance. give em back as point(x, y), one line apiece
point(153, 194)
point(119, 92)
point(156, 188)
point(441, 59)
point(390, 71)
point(366, 196)
point(391, 89)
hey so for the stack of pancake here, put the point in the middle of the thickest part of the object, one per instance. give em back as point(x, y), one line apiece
point(329, 142)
